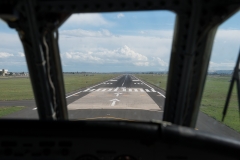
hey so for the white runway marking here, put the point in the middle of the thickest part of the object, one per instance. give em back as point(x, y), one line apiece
point(123, 90)
point(90, 88)
point(153, 90)
point(135, 80)
point(144, 83)
point(161, 94)
point(117, 94)
point(131, 100)
point(86, 90)
point(34, 109)
point(124, 80)
point(114, 101)
point(73, 94)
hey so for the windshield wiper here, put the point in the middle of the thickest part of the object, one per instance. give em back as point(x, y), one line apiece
point(235, 77)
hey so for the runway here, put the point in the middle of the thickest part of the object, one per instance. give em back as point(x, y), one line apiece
point(122, 98)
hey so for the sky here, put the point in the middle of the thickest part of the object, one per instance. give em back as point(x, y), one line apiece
point(120, 41)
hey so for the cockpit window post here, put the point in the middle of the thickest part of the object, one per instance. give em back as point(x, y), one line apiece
point(235, 78)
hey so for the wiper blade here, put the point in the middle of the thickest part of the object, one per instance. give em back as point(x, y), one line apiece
point(235, 77)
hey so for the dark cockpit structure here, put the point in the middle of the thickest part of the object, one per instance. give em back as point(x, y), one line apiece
point(55, 137)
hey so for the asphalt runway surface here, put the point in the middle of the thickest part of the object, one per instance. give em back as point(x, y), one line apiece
point(122, 98)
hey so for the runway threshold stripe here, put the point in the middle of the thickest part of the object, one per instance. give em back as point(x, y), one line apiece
point(90, 88)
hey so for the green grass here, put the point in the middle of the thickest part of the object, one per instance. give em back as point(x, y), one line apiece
point(8, 110)
point(74, 82)
point(157, 80)
point(15, 89)
point(213, 100)
point(20, 88)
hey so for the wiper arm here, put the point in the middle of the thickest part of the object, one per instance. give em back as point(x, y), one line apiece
point(235, 77)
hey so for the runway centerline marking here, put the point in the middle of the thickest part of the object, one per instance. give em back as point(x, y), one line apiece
point(124, 80)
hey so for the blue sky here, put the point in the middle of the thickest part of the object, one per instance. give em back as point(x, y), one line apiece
point(120, 41)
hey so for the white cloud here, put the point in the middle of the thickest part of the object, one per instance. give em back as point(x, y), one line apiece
point(221, 65)
point(120, 15)
point(127, 52)
point(141, 63)
point(146, 45)
point(86, 33)
point(83, 19)
point(123, 55)
point(97, 47)
point(5, 55)
point(20, 54)
point(82, 57)
point(225, 49)
point(161, 62)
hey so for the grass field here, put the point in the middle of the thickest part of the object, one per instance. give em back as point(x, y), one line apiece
point(20, 88)
point(8, 110)
point(74, 82)
point(213, 99)
point(157, 80)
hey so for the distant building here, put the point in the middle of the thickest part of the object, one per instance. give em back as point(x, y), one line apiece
point(3, 72)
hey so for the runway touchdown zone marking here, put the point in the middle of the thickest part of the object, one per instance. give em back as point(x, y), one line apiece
point(114, 100)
